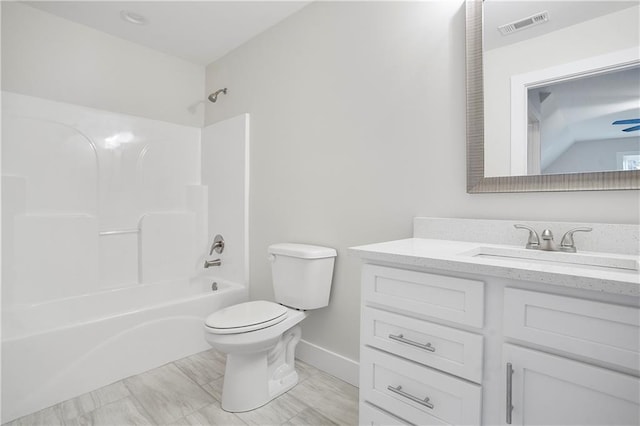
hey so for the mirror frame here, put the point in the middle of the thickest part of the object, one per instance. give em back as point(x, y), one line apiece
point(476, 181)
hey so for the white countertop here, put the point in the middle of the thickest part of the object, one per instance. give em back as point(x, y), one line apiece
point(457, 256)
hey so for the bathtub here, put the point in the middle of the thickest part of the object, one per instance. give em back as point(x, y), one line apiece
point(58, 350)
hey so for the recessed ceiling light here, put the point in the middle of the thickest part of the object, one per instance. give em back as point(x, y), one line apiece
point(132, 17)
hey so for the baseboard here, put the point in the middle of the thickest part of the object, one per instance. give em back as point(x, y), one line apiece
point(337, 365)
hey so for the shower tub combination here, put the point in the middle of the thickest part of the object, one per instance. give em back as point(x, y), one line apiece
point(61, 349)
point(123, 235)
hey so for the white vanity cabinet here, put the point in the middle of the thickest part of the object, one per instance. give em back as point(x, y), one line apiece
point(594, 392)
point(414, 370)
point(553, 390)
point(451, 347)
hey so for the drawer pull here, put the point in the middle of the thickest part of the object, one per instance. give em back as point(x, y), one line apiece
point(509, 392)
point(400, 338)
point(400, 392)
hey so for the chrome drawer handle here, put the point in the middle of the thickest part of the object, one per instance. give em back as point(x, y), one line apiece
point(509, 392)
point(400, 392)
point(400, 338)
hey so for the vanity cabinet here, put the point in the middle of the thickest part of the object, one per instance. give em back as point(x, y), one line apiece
point(412, 369)
point(553, 390)
point(440, 347)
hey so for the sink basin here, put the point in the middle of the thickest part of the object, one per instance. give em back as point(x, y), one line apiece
point(607, 261)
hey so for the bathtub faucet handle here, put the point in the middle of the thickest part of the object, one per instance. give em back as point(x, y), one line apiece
point(218, 245)
point(214, 262)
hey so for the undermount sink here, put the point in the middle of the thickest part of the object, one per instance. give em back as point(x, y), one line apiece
point(589, 260)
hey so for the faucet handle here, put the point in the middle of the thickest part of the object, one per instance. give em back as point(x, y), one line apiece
point(218, 245)
point(534, 241)
point(567, 244)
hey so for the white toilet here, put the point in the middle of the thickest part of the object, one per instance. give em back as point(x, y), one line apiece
point(260, 337)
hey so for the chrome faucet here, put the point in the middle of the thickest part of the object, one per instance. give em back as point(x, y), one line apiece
point(547, 243)
point(218, 245)
point(214, 262)
point(534, 241)
point(567, 244)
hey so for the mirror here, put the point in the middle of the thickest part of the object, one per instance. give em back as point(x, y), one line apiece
point(531, 112)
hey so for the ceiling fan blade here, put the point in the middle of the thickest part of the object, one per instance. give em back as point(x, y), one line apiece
point(630, 121)
point(631, 129)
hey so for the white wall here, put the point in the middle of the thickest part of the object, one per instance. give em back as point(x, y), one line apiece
point(357, 126)
point(52, 58)
point(615, 31)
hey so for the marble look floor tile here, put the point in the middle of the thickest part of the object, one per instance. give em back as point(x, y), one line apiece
point(331, 397)
point(305, 370)
point(51, 416)
point(215, 388)
point(309, 417)
point(78, 406)
point(110, 393)
point(203, 367)
point(275, 412)
point(167, 394)
point(213, 415)
point(122, 412)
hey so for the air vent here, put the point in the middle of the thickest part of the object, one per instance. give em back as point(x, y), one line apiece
point(538, 18)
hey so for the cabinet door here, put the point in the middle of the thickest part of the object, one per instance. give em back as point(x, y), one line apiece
point(552, 390)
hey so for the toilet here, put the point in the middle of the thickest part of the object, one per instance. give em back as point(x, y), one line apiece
point(260, 337)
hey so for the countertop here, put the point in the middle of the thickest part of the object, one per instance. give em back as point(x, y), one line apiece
point(457, 256)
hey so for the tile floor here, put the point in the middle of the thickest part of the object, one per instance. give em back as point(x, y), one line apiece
point(187, 392)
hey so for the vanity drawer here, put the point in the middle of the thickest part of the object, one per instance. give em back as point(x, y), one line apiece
point(445, 348)
point(370, 415)
point(602, 331)
point(440, 296)
point(450, 400)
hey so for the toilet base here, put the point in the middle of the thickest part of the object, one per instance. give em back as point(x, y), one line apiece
point(253, 379)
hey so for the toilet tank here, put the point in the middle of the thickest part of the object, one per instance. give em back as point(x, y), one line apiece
point(301, 274)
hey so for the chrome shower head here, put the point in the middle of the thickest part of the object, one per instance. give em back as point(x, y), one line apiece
point(214, 96)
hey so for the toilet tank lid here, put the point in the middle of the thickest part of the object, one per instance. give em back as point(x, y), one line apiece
point(303, 251)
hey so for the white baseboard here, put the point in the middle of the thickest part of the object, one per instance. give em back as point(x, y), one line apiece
point(330, 362)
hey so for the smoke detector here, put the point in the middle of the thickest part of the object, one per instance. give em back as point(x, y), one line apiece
point(521, 24)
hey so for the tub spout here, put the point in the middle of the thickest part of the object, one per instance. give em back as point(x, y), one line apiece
point(210, 263)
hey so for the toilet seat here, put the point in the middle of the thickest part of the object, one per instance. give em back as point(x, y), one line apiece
point(245, 317)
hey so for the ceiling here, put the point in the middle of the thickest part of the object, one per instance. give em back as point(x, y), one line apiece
point(197, 31)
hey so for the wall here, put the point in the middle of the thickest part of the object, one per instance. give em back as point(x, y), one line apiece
point(609, 33)
point(357, 126)
point(49, 57)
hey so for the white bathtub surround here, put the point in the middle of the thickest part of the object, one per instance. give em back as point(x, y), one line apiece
point(225, 171)
point(110, 170)
point(105, 226)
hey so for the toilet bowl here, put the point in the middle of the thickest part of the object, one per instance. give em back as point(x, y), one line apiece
point(260, 337)
point(260, 362)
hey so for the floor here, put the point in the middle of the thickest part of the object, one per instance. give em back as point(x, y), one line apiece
point(187, 392)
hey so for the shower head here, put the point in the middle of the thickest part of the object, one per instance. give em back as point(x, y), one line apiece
point(214, 96)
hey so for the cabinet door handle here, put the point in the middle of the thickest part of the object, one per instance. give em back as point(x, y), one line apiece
point(400, 392)
point(402, 339)
point(509, 392)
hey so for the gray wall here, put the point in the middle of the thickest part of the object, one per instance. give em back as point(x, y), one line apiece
point(357, 126)
point(53, 58)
